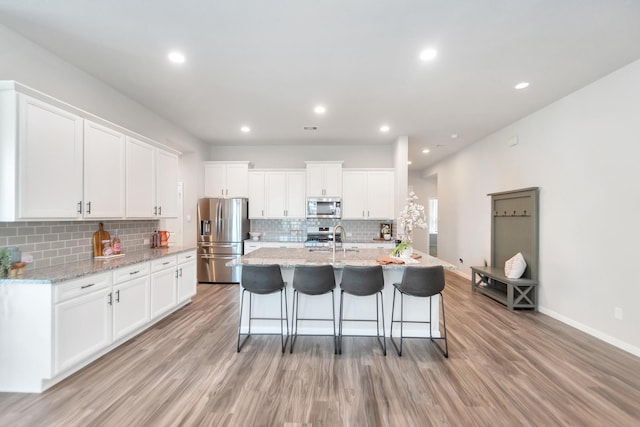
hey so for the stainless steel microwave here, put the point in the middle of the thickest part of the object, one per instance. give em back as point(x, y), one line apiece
point(324, 207)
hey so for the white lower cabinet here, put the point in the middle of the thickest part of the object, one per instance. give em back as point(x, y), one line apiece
point(82, 325)
point(72, 323)
point(163, 285)
point(187, 281)
point(130, 306)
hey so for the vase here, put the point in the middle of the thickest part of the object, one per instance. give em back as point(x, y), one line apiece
point(407, 252)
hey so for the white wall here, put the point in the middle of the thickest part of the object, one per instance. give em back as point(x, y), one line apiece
point(583, 153)
point(294, 156)
point(29, 64)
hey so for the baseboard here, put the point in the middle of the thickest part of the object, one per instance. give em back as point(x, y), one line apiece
point(592, 331)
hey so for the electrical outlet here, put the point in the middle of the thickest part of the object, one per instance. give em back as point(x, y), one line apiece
point(349, 234)
point(145, 242)
point(618, 313)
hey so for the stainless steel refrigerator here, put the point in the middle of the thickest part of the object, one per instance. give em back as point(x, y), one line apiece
point(223, 225)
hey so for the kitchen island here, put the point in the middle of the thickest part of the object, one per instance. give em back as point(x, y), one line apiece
point(354, 307)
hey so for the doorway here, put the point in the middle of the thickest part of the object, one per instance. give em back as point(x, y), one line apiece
point(433, 227)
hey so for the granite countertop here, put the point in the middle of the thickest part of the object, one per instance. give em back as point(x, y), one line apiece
point(74, 270)
point(363, 257)
point(287, 239)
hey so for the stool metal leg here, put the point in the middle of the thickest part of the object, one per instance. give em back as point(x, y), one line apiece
point(445, 351)
point(340, 323)
point(383, 343)
point(286, 320)
point(239, 345)
point(294, 326)
point(333, 309)
point(401, 321)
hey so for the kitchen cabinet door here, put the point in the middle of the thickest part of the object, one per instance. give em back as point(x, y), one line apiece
point(275, 184)
point(163, 291)
point(226, 179)
point(82, 327)
point(296, 194)
point(187, 281)
point(141, 180)
point(104, 172)
point(256, 195)
point(380, 194)
point(130, 306)
point(354, 191)
point(285, 194)
point(166, 184)
point(49, 161)
point(324, 179)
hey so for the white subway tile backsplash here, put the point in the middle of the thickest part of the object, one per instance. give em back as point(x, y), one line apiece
point(53, 243)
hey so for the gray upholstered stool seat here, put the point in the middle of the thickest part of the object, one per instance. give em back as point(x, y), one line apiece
point(422, 282)
point(262, 280)
point(363, 281)
point(313, 280)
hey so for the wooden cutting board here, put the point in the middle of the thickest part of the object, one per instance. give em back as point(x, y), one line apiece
point(98, 237)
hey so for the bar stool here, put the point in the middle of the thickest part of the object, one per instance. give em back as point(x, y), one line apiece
point(363, 281)
point(420, 282)
point(312, 280)
point(262, 280)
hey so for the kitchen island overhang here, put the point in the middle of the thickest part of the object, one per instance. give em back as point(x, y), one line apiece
point(415, 309)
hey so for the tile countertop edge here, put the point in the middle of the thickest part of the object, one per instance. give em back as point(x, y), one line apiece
point(75, 270)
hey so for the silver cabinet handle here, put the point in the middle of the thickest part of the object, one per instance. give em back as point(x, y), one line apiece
point(134, 272)
point(181, 272)
point(159, 210)
point(165, 263)
point(118, 295)
point(176, 273)
point(155, 210)
point(80, 207)
point(110, 298)
point(88, 207)
point(87, 286)
point(188, 256)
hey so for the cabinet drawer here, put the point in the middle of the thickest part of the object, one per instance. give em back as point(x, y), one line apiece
point(163, 263)
point(82, 286)
point(130, 272)
point(186, 256)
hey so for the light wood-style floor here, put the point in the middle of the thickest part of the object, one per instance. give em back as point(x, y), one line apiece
point(504, 369)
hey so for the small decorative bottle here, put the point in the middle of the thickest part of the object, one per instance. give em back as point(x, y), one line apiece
point(116, 244)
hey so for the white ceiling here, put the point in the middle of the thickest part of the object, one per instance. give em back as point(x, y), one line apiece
point(267, 63)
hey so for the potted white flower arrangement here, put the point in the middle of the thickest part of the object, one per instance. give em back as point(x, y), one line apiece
point(412, 217)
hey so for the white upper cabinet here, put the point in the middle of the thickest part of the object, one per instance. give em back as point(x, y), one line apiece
point(257, 207)
point(49, 183)
point(284, 194)
point(152, 181)
point(104, 172)
point(368, 194)
point(141, 179)
point(166, 184)
point(61, 163)
point(226, 179)
point(324, 179)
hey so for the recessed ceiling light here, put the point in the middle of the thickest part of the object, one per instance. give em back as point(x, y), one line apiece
point(425, 151)
point(385, 128)
point(521, 85)
point(454, 135)
point(409, 162)
point(310, 128)
point(176, 57)
point(320, 109)
point(428, 55)
point(245, 129)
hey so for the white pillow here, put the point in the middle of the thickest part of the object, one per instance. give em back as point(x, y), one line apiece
point(515, 266)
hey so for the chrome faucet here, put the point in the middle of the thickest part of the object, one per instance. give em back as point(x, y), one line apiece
point(343, 235)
